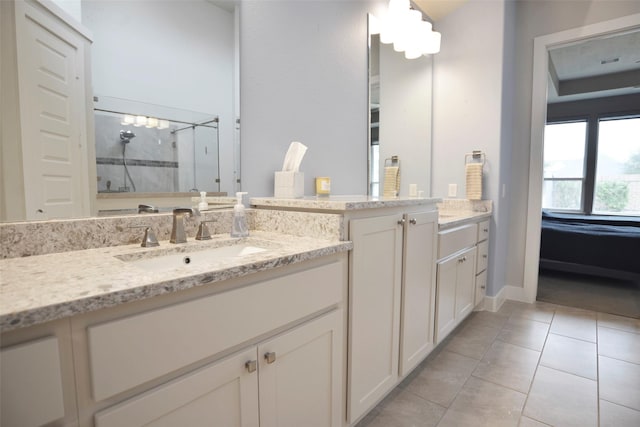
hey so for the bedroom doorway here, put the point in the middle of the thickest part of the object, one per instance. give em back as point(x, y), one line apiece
point(542, 47)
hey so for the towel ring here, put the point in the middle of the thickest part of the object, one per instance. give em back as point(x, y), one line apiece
point(474, 156)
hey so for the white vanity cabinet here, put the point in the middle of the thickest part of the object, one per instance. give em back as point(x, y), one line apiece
point(391, 294)
point(262, 349)
point(293, 379)
point(456, 269)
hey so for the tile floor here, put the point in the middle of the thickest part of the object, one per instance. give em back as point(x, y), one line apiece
point(526, 365)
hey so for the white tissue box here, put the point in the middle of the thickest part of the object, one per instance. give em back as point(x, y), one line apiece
point(289, 185)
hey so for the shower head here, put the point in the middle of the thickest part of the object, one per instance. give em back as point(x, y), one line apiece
point(126, 136)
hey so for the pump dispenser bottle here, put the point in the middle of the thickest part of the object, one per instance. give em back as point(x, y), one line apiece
point(239, 228)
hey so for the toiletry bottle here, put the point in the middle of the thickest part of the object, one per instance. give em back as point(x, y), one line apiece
point(239, 228)
point(203, 205)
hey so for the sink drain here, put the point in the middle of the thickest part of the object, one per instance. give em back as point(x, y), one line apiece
point(186, 260)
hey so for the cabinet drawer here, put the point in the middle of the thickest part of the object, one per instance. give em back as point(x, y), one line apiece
point(483, 230)
point(456, 239)
point(483, 256)
point(128, 352)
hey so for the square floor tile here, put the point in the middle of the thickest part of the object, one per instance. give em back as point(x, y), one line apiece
point(620, 382)
point(481, 403)
point(525, 333)
point(472, 341)
point(540, 311)
point(612, 415)
point(442, 378)
point(628, 324)
point(571, 355)
point(509, 365)
point(488, 319)
point(562, 399)
point(579, 324)
point(619, 344)
point(407, 410)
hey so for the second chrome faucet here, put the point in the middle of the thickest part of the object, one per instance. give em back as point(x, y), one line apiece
point(178, 234)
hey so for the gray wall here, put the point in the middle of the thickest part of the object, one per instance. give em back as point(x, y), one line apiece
point(533, 19)
point(303, 77)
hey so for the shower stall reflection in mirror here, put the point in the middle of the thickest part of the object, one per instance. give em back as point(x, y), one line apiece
point(163, 155)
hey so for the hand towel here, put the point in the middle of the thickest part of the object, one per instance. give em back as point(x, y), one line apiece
point(474, 180)
point(391, 181)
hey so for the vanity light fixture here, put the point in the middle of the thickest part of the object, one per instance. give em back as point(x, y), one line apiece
point(128, 120)
point(152, 122)
point(405, 28)
point(140, 121)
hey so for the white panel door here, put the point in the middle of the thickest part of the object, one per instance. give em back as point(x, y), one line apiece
point(224, 393)
point(301, 375)
point(52, 115)
point(418, 289)
point(374, 298)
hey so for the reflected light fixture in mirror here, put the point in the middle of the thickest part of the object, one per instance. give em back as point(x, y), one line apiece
point(405, 28)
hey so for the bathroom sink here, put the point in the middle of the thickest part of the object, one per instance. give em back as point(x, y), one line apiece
point(193, 259)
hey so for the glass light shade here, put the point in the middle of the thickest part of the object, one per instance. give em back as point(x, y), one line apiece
point(163, 124)
point(406, 24)
point(140, 121)
point(152, 122)
point(432, 44)
point(128, 120)
point(398, 5)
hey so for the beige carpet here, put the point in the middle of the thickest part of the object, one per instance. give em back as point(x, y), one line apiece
point(612, 296)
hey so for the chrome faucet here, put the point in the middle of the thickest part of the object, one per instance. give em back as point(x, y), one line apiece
point(178, 234)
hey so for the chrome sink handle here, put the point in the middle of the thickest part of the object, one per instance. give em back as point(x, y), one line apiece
point(147, 209)
point(149, 240)
point(203, 231)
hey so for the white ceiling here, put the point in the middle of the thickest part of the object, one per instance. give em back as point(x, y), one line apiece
point(438, 9)
point(598, 67)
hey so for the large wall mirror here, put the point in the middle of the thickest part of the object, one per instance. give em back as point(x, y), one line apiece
point(400, 102)
point(162, 105)
point(163, 84)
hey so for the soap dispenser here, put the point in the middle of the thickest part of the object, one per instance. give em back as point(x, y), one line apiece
point(239, 227)
point(203, 205)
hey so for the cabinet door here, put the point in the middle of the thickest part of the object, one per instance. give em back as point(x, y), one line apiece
point(224, 393)
point(465, 283)
point(374, 288)
point(446, 297)
point(31, 384)
point(301, 375)
point(418, 289)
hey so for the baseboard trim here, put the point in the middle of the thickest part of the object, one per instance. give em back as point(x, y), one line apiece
point(494, 303)
point(517, 293)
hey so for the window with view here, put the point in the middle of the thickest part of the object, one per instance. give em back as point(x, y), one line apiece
point(564, 165)
point(593, 171)
point(617, 187)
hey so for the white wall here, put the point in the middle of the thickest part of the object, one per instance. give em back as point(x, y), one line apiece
point(303, 78)
point(536, 18)
point(467, 111)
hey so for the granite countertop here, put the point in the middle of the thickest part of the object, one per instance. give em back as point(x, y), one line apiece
point(339, 203)
point(450, 219)
point(42, 288)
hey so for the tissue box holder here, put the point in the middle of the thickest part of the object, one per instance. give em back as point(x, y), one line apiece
point(289, 185)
